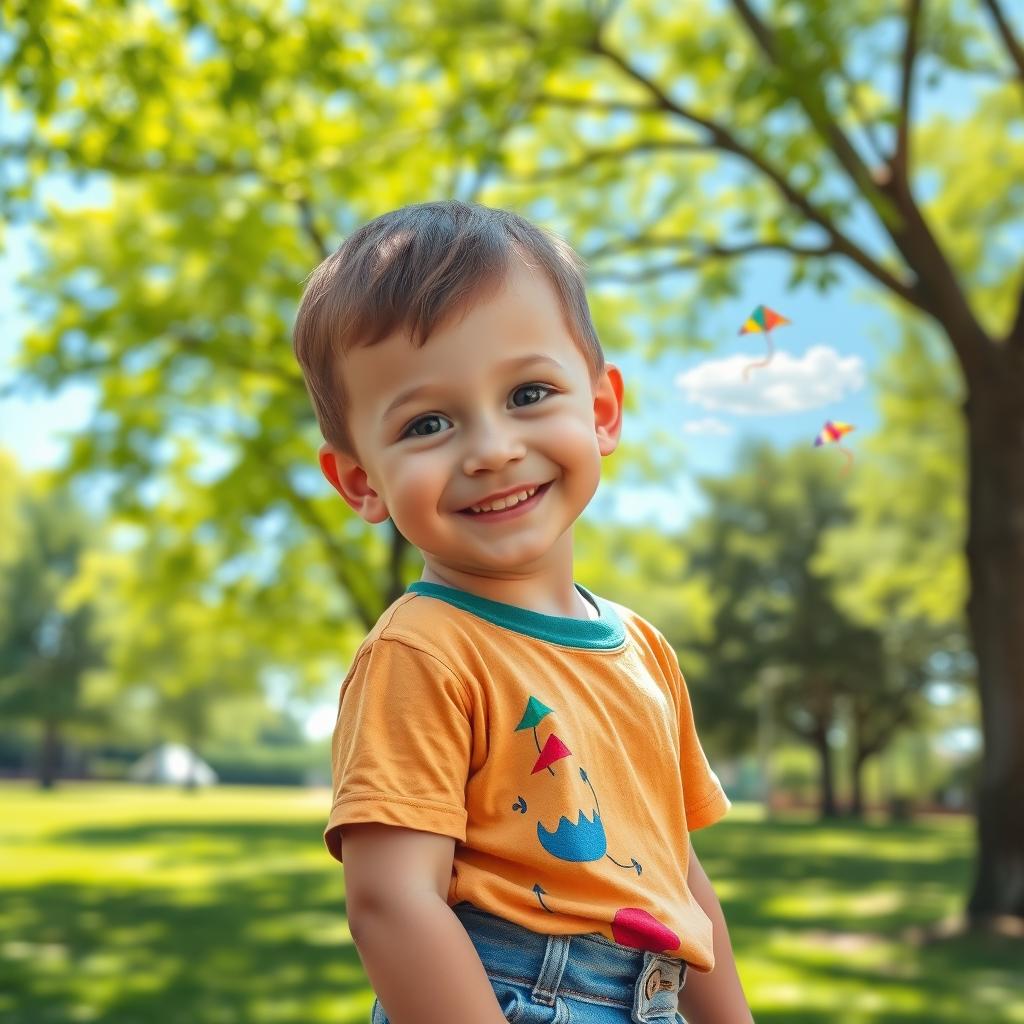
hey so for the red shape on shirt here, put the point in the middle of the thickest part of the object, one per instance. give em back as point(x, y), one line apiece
point(637, 929)
point(554, 750)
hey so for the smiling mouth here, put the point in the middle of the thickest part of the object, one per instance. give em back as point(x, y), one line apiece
point(508, 510)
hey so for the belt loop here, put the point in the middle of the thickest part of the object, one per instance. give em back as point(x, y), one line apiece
point(556, 956)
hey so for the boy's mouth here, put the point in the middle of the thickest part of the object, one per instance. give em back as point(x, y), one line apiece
point(509, 506)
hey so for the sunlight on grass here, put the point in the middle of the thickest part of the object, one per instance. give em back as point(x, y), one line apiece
point(123, 904)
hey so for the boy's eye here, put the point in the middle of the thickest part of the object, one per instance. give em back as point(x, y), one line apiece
point(433, 423)
point(425, 426)
point(534, 393)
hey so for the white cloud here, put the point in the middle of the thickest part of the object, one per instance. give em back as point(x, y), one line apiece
point(707, 427)
point(787, 384)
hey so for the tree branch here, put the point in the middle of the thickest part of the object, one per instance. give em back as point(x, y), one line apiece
point(900, 162)
point(309, 226)
point(877, 149)
point(613, 153)
point(598, 106)
point(702, 249)
point(513, 114)
point(210, 165)
point(937, 290)
point(721, 138)
point(1013, 47)
point(338, 559)
point(871, 741)
point(810, 96)
point(307, 216)
point(602, 17)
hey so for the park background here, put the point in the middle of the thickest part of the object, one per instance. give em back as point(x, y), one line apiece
point(176, 571)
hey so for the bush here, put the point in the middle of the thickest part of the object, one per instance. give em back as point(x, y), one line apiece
point(268, 766)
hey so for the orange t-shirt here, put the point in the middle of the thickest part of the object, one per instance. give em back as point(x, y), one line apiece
point(560, 753)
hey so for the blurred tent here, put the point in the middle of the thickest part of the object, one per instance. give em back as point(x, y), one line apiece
point(173, 764)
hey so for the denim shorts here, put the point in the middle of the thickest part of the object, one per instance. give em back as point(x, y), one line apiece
point(569, 979)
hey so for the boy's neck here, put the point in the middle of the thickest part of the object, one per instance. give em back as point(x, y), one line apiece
point(534, 593)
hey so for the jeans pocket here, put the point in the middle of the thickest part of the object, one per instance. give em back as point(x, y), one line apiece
point(377, 1013)
point(511, 1000)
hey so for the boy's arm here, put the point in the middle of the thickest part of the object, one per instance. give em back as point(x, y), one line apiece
point(423, 966)
point(420, 961)
point(716, 997)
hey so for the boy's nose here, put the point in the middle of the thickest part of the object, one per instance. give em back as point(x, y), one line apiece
point(490, 448)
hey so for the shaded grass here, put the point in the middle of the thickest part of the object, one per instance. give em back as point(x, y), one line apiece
point(127, 905)
point(821, 918)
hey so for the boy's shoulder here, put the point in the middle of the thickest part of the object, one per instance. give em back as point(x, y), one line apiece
point(642, 630)
point(407, 618)
point(434, 627)
point(631, 617)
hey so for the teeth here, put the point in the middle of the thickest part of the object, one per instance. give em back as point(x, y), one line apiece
point(509, 501)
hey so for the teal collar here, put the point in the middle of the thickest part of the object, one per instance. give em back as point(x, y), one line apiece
point(603, 634)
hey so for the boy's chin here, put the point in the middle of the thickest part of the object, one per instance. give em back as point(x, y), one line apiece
point(515, 565)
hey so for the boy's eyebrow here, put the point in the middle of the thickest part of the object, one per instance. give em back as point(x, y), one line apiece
point(508, 364)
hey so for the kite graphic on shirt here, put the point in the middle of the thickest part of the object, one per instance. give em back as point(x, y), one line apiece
point(762, 321)
point(832, 432)
point(585, 841)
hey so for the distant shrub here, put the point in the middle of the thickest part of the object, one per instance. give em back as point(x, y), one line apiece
point(267, 766)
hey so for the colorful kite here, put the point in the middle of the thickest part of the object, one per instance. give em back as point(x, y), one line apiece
point(761, 321)
point(833, 431)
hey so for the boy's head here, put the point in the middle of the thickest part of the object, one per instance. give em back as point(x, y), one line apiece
point(449, 300)
point(408, 271)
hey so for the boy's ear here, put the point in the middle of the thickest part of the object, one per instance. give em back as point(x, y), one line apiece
point(349, 479)
point(608, 409)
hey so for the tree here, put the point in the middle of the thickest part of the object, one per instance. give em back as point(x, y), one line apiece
point(897, 566)
point(193, 631)
point(47, 645)
point(244, 142)
point(776, 622)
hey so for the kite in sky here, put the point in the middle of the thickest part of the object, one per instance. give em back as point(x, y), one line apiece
point(761, 321)
point(833, 431)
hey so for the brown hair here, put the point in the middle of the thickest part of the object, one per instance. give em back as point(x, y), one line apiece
point(412, 268)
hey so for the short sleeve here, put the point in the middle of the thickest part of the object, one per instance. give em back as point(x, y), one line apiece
point(400, 752)
point(704, 800)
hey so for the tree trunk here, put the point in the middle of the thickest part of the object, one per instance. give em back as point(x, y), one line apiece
point(995, 609)
point(828, 795)
point(859, 754)
point(857, 785)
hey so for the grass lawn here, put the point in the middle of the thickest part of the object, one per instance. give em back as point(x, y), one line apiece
point(131, 905)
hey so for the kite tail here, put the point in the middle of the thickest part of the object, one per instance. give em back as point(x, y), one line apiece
point(849, 459)
point(761, 362)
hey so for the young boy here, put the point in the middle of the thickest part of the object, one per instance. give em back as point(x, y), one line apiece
point(516, 769)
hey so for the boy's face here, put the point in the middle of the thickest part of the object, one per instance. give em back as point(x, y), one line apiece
point(497, 401)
